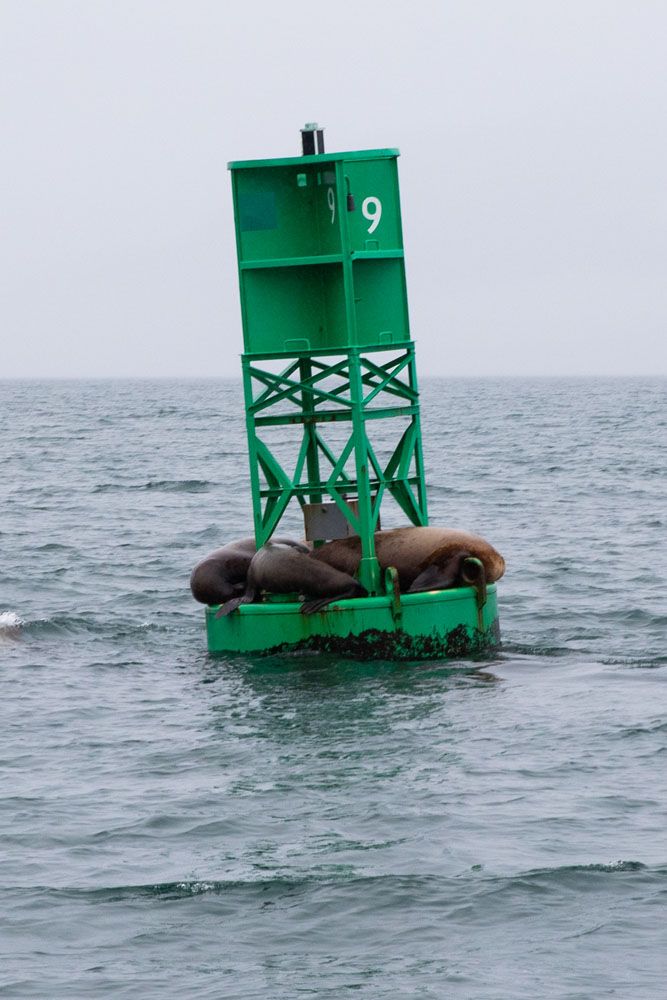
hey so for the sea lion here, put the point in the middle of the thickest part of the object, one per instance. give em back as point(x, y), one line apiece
point(425, 558)
point(286, 569)
point(222, 574)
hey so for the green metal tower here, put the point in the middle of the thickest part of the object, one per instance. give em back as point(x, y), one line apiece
point(323, 295)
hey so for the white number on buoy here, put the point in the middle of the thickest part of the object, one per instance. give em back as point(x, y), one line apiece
point(371, 209)
point(331, 202)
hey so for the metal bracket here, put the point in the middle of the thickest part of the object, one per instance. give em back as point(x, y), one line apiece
point(393, 591)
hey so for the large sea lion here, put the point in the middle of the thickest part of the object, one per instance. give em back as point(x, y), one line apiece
point(222, 574)
point(285, 569)
point(425, 558)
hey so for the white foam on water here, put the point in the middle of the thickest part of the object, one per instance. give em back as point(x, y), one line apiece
point(10, 623)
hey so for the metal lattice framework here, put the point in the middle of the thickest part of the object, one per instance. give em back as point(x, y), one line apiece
point(314, 389)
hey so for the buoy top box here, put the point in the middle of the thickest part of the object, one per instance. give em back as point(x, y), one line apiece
point(282, 161)
point(320, 252)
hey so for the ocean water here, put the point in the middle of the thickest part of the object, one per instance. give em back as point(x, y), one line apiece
point(178, 825)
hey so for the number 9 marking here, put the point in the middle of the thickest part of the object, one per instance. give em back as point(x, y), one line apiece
point(371, 209)
point(331, 202)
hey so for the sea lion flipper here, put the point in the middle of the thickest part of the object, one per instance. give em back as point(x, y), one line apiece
point(310, 607)
point(443, 577)
point(232, 605)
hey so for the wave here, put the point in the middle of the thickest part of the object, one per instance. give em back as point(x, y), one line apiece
point(10, 624)
point(54, 547)
point(165, 485)
point(475, 880)
point(114, 627)
point(508, 650)
point(637, 662)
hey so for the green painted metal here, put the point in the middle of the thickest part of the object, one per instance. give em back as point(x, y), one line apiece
point(319, 159)
point(323, 297)
point(327, 348)
point(357, 387)
point(408, 626)
point(316, 273)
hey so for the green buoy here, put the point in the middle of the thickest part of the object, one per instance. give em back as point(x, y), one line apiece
point(332, 402)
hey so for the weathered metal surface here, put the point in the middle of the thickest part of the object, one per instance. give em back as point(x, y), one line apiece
point(375, 644)
point(435, 624)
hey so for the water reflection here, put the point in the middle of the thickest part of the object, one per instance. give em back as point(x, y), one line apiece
point(326, 701)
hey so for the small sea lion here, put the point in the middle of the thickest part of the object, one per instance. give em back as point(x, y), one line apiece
point(425, 558)
point(285, 569)
point(222, 574)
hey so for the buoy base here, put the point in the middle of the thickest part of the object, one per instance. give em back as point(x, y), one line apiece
point(434, 625)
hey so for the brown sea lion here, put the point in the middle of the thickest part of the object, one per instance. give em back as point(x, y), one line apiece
point(222, 574)
point(425, 558)
point(285, 569)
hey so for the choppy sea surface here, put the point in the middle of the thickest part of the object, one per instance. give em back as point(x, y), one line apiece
point(178, 825)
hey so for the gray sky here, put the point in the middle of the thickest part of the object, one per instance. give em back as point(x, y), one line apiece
point(533, 173)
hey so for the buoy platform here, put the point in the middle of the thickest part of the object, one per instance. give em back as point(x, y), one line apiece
point(434, 625)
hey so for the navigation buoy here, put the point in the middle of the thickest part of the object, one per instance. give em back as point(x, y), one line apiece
point(328, 359)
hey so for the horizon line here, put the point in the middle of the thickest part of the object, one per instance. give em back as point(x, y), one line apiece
point(424, 377)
